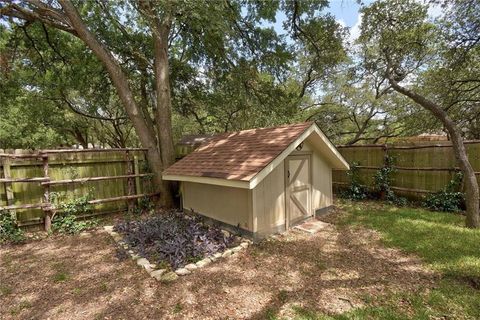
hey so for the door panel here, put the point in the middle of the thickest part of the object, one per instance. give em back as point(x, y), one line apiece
point(298, 188)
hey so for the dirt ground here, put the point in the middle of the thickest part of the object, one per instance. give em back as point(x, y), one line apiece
point(80, 277)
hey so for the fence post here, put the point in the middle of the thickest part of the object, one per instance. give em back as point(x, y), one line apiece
point(9, 187)
point(136, 170)
point(130, 182)
point(47, 209)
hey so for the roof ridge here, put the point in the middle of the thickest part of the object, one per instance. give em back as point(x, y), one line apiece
point(274, 127)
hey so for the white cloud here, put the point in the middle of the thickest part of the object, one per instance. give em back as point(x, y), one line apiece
point(435, 10)
point(355, 30)
point(341, 22)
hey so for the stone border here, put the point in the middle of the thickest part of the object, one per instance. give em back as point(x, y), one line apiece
point(167, 276)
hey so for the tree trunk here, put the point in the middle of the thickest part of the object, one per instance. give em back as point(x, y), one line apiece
point(120, 81)
point(471, 184)
point(163, 113)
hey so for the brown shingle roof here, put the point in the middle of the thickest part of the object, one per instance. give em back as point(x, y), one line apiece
point(238, 155)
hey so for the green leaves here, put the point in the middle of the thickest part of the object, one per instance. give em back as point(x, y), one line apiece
point(397, 35)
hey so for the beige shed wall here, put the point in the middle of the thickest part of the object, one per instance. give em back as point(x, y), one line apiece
point(322, 194)
point(226, 204)
point(269, 202)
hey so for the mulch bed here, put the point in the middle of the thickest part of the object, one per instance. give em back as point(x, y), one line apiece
point(174, 238)
point(80, 277)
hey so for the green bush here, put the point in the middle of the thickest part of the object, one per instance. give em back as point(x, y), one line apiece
point(69, 224)
point(449, 199)
point(383, 183)
point(68, 221)
point(392, 198)
point(9, 230)
point(383, 177)
point(356, 190)
point(145, 204)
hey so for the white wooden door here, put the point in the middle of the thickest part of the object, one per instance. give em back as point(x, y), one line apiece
point(298, 188)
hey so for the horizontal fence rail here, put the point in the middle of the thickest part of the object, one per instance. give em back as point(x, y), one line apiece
point(29, 179)
point(419, 169)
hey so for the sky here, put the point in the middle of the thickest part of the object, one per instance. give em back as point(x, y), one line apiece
point(347, 13)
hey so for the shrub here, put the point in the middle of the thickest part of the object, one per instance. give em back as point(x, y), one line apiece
point(9, 230)
point(70, 224)
point(67, 221)
point(145, 204)
point(449, 199)
point(383, 183)
point(394, 199)
point(174, 238)
point(356, 190)
point(383, 177)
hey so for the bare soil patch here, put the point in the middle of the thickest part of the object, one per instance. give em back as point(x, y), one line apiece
point(80, 277)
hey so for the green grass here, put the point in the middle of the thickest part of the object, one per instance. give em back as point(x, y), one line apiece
point(60, 277)
point(177, 308)
point(441, 241)
point(5, 290)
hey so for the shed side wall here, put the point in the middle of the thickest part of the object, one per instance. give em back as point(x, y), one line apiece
point(226, 204)
point(269, 202)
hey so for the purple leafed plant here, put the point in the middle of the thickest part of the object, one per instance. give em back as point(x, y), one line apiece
point(174, 238)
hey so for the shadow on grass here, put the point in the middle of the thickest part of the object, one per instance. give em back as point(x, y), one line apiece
point(437, 237)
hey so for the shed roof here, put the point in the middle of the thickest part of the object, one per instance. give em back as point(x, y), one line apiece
point(241, 157)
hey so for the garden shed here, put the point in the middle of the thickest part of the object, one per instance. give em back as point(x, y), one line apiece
point(261, 181)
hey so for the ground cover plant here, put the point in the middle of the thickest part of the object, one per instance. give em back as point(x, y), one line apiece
point(450, 199)
point(70, 211)
point(9, 231)
point(174, 239)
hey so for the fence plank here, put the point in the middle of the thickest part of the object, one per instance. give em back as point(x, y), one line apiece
point(136, 171)
point(46, 197)
point(420, 169)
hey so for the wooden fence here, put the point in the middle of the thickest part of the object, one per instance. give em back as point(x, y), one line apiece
point(420, 169)
point(116, 178)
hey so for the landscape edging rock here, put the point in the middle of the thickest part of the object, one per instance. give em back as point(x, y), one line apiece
point(163, 274)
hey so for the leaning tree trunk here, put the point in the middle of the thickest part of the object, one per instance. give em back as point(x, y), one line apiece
point(145, 132)
point(471, 184)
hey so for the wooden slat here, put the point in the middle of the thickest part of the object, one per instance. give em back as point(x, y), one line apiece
point(91, 150)
point(394, 188)
point(123, 198)
point(21, 156)
point(8, 186)
point(46, 198)
point(10, 180)
point(82, 180)
point(407, 147)
point(410, 168)
point(136, 171)
point(23, 206)
point(70, 162)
